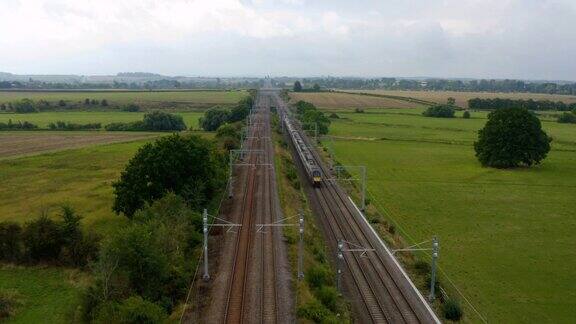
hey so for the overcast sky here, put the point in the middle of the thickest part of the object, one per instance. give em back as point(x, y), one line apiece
point(528, 39)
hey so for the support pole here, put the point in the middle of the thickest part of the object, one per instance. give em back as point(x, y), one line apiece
point(206, 276)
point(339, 270)
point(301, 248)
point(435, 248)
point(230, 180)
point(363, 188)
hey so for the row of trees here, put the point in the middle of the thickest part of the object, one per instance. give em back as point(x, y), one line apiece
point(46, 240)
point(17, 126)
point(499, 103)
point(25, 105)
point(444, 85)
point(311, 117)
point(61, 125)
point(440, 111)
point(215, 117)
point(153, 121)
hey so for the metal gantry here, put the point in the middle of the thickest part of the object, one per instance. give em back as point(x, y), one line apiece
point(230, 225)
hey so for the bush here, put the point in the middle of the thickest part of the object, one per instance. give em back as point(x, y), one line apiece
point(62, 103)
point(154, 121)
point(512, 137)
point(10, 242)
point(131, 108)
point(150, 257)
point(452, 310)
point(334, 116)
point(466, 115)
point(314, 311)
point(214, 118)
point(422, 267)
point(60, 125)
point(9, 301)
point(104, 103)
point(329, 297)
point(24, 106)
point(19, 125)
point(567, 118)
point(318, 276)
point(133, 126)
point(137, 310)
point(162, 121)
point(189, 166)
point(439, 111)
point(359, 110)
point(42, 239)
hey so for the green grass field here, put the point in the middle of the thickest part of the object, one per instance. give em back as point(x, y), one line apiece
point(123, 97)
point(42, 119)
point(46, 294)
point(81, 178)
point(507, 236)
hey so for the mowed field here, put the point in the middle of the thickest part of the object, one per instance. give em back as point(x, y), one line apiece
point(507, 236)
point(193, 97)
point(42, 119)
point(463, 97)
point(335, 101)
point(17, 144)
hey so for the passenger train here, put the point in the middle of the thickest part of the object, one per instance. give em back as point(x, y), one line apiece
point(313, 171)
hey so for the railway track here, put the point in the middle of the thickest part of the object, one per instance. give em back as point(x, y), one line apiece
point(256, 290)
point(380, 290)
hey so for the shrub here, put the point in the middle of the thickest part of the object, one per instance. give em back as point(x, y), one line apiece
point(359, 110)
point(567, 118)
point(329, 297)
point(77, 248)
point(133, 126)
point(512, 137)
point(24, 106)
point(60, 125)
point(18, 125)
point(104, 103)
point(313, 311)
point(213, 118)
point(10, 242)
point(42, 239)
point(62, 103)
point(452, 310)
point(466, 115)
point(439, 111)
point(162, 121)
point(318, 276)
point(9, 301)
point(334, 116)
point(131, 108)
point(137, 310)
point(422, 267)
point(86, 101)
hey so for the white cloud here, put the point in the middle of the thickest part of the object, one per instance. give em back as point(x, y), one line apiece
point(485, 38)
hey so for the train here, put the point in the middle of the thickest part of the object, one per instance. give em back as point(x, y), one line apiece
point(313, 171)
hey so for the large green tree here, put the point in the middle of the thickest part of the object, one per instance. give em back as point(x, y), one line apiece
point(189, 166)
point(213, 118)
point(512, 137)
